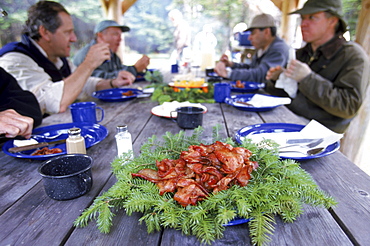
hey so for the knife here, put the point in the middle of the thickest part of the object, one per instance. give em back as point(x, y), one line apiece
point(35, 146)
point(301, 140)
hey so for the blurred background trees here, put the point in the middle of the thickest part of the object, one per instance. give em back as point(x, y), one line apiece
point(151, 30)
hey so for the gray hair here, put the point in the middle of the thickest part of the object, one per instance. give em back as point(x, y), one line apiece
point(43, 13)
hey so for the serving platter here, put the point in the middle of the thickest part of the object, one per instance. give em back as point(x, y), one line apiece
point(93, 134)
point(247, 131)
point(117, 94)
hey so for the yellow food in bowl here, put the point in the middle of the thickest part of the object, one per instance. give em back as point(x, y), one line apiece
point(189, 83)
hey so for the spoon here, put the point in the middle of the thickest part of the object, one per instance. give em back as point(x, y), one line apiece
point(307, 153)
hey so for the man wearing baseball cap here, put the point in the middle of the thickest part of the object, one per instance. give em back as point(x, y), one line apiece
point(109, 31)
point(271, 51)
point(332, 74)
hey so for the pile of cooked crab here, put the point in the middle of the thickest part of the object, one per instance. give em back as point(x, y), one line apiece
point(201, 170)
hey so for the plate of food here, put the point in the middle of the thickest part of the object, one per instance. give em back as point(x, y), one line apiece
point(164, 110)
point(93, 134)
point(249, 131)
point(117, 94)
point(246, 86)
point(256, 102)
point(189, 84)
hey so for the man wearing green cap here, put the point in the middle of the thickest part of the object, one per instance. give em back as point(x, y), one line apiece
point(110, 32)
point(332, 74)
point(271, 51)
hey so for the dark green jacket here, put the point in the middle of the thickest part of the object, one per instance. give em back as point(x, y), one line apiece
point(333, 93)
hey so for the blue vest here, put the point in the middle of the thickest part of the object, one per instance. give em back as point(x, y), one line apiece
point(26, 47)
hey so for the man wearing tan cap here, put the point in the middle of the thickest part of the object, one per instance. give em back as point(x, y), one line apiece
point(332, 74)
point(271, 51)
point(110, 32)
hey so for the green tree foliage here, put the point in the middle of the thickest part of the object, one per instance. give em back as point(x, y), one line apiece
point(151, 30)
point(351, 9)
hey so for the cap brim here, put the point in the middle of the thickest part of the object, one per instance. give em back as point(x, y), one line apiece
point(307, 10)
point(124, 28)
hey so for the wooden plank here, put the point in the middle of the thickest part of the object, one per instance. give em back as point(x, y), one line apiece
point(336, 175)
point(126, 230)
point(315, 227)
point(245, 118)
point(37, 212)
point(17, 176)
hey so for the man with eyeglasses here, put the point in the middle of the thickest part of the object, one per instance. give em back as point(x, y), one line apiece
point(332, 74)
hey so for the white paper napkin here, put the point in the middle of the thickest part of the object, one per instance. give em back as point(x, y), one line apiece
point(313, 130)
point(21, 143)
point(259, 101)
point(289, 85)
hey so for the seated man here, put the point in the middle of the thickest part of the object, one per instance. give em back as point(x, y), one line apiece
point(332, 74)
point(109, 31)
point(19, 109)
point(39, 61)
point(271, 51)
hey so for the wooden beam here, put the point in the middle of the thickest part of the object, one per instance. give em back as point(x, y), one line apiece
point(126, 4)
point(363, 28)
point(352, 145)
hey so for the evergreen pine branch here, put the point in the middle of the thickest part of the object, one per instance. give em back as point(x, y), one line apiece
point(260, 227)
point(276, 188)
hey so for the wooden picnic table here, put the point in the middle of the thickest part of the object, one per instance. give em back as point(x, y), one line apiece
point(29, 217)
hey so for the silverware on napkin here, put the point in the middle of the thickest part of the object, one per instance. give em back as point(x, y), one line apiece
point(302, 140)
point(311, 144)
point(35, 146)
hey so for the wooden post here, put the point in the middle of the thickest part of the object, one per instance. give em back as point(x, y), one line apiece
point(353, 143)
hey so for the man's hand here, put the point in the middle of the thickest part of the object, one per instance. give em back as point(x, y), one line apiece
point(98, 53)
point(297, 70)
point(225, 59)
point(273, 73)
point(220, 69)
point(142, 63)
point(123, 78)
point(14, 124)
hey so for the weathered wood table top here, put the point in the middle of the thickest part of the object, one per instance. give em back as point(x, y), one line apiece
point(29, 217)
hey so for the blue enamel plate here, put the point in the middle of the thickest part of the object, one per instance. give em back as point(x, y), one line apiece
point(247, 86)
point(281, 127)
point(241, 102)
point(93, 134)
point(117, 94)
point(237, 221)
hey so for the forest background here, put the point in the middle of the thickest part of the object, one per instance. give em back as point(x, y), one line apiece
point(151, 30)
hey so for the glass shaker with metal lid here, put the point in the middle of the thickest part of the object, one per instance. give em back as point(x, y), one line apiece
point(75, 142)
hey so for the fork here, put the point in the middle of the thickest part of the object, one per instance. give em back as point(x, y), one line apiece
point(47, 137)
point(309, 145)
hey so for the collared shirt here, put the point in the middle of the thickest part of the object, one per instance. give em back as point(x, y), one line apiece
point(275, 55)
point(108, 69)
point(33, 78)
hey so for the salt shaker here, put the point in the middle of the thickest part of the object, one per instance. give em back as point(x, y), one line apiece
point(75, 142)
point(123, 140)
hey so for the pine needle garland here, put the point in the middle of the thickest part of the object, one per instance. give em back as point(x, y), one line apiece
point(277, 187)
